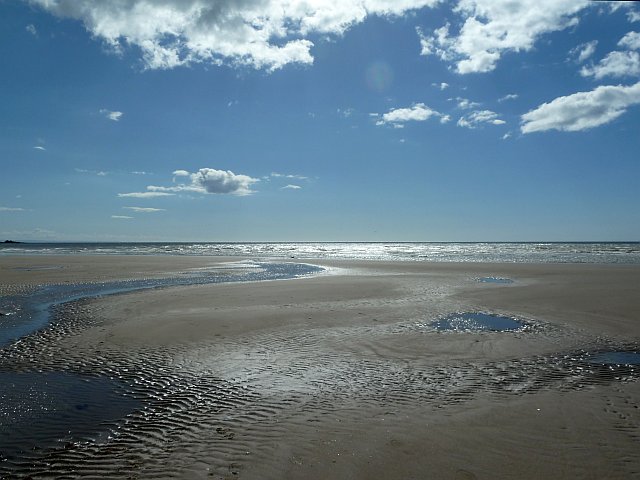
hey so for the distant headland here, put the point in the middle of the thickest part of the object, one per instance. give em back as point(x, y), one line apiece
point(11, 241)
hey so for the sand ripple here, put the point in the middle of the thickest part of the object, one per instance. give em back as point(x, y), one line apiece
point(210, 410)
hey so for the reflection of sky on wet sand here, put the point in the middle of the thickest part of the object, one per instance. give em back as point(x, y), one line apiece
point(472, 321)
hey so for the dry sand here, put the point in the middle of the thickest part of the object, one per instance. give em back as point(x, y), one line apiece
point(341, 376)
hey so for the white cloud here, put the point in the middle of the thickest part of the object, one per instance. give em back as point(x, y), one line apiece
point(122, 217)
point(11, 209)
point(38, 147)
point(633, 16)
point(631, 41)
point(465, 103)
point(259, 33)
point(145, 209)
point(209, 180)
point(291, 187)
point(31, 28)
point(145, 194)
point(493, 27)
point(478, 117)
point(584, 51)
point(582, 110)
point(509, 96)
point(418, 112)
point(441, 85)
point(615, 64)
point(115, 116)
point(283, 175)
point(618, 63)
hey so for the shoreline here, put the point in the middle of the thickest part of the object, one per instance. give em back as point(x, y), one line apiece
point(339, 375)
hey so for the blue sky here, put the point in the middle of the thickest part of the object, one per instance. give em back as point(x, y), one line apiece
point(284, 120)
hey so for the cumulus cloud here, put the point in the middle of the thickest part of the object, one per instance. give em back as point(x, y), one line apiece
point(209, 180)
point(584, 51)
point(115, 116)
point(582, 110)
point(615, 64)
point(418, 112)
point(145, 194)
point(618, 63)
point(631, 41)
point(145, 209)
point(492, 27)
point(478, 117)
point(258, 33)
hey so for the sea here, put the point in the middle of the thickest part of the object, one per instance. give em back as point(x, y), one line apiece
point(507, 252)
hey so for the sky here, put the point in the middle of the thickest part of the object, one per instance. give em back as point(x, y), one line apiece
point(316, 120)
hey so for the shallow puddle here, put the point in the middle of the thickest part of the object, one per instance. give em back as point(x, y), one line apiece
point(615, 358)
point(473, 321)
point(494, 280)
point(46, 410)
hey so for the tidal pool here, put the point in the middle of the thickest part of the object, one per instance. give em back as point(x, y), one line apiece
point(616, 358)
point(478, 322)
point(48, 410)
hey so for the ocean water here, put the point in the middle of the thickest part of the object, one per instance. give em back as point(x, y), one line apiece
point(530, 252)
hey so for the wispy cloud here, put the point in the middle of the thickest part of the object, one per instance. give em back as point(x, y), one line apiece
point(285, 175)
point(39, 147)
point(509, 96)
point(122, 217)
point(145, 194)
point(100, 173)
point(111, 115)
point(478, 117)
point(466, 104)
point(582, 110)
point(584, 51)
point(145, 209)
point(11, 209)
point(31, 28)
point(291, 187)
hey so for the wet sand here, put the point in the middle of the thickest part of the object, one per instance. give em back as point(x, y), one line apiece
point(342, 376)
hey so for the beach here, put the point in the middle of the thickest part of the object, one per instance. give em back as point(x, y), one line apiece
point(342, 374)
